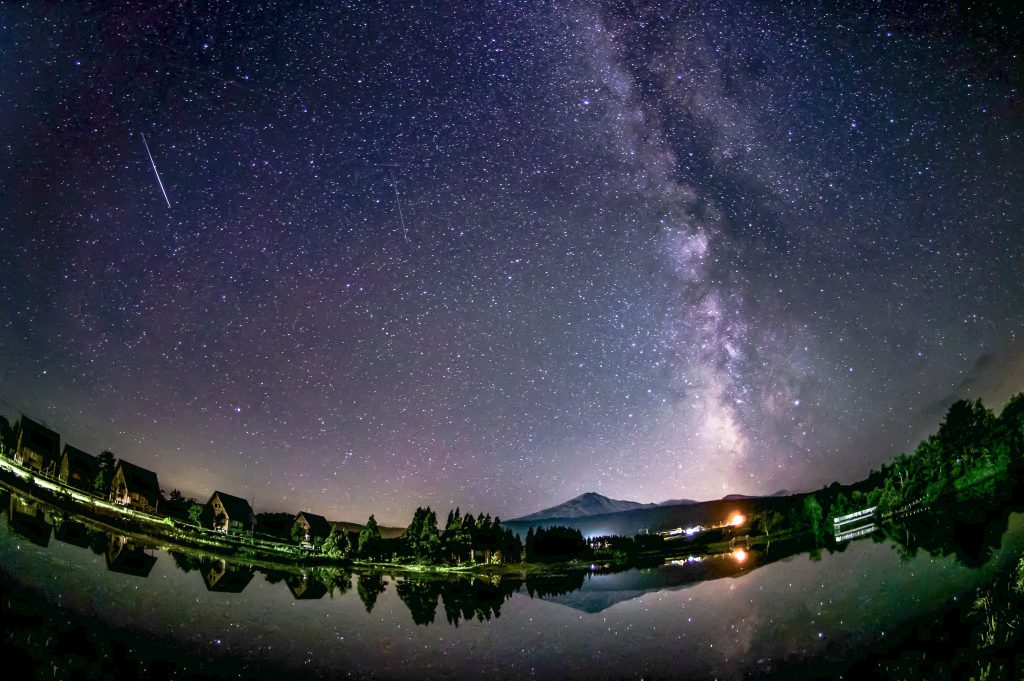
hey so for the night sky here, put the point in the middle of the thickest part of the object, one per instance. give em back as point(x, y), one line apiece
point(496, 255)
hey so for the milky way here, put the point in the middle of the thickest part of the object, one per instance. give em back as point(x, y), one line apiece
point(495, 256)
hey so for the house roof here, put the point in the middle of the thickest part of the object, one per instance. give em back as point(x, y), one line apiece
point(38, 437)
point(235, 507)
point(140, 480)
point(80, 461)
point(318, 525)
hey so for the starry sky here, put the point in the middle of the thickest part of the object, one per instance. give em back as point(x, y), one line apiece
point(498, 254)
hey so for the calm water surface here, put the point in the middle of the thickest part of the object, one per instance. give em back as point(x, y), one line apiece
point(740, 620)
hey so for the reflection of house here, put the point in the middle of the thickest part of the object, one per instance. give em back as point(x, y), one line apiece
point(26, 519)
point(73, 532)
point(127, 557)
point(78, 469)
point(219, 575)
point(37, 448)
point(315, 528)
point(304, 587)
point(135, 487)
point(228, 513)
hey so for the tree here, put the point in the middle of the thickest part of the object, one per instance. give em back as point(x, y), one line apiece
point(457, 538)
point(369, 586)
point(6, 436)
point(769, 521)
point(336, 545)
point(177, 497)
point(195, 514)
point(554, 543)
point(369, 540)
point(964, 433)
point(1011, 422)
point(421, 539)
point(105, 462)
point(813, 515)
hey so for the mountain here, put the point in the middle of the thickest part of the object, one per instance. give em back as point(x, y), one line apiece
point(678, 502)
point(588, 504)
point(386, 532)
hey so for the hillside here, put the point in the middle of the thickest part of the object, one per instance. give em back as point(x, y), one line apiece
point(588, 504)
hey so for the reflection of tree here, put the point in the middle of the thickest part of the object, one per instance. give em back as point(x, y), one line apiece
point(369, 586)
point(544, 586)
point(420, 597)
point(274, 576)
point(463, 598)
point(334, 579)
point(970, 534)
point(478, 597)
point(185, 562)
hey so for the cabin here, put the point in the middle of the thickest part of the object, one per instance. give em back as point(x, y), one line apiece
point(315, 528)
point(134, 487)
point(78, 469)
point(36, 447)
point(229, 514)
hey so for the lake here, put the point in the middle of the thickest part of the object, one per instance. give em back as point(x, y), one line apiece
point(93, 600)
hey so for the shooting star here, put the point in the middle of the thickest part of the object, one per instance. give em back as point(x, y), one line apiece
point(155, 171)
point(398, 200)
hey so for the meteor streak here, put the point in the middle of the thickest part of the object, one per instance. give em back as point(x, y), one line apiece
point(155, 171)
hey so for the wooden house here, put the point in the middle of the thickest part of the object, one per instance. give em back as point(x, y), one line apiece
point(135, 487)
point(36, 447)
point(314, 528)
point(229, 514)
point(78, 469)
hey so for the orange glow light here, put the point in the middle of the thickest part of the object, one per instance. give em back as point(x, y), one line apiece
point(739, 554)
point(737, 520)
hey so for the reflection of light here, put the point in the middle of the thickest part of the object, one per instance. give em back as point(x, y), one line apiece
point(739, 554)
point(737, 520)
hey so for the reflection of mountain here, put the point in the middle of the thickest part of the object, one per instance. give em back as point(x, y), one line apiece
point(219, 575)
point(127, 557)
point(595, 592)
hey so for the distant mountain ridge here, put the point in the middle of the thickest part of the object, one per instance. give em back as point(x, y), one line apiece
point(592, 503)
point(587, 504)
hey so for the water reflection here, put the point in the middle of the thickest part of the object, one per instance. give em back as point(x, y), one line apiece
point(27, 520)
point(971, 536)
point(220, 575)
point(129, 557)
